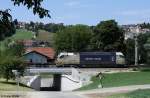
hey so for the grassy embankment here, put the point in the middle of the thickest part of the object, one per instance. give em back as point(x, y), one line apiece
point(134, 94)
point(119, 79)
point(11, 86)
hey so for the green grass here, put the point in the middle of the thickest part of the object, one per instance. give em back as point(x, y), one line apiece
point(11, 86)
point(134, 94)
point(21, 34)
point(120, 79)
point(46, 75)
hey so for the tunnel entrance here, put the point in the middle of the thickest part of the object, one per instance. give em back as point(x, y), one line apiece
point(51, 83)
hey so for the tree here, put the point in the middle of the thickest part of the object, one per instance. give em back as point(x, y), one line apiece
point(35, 5)
point(130, 51)
point(7, 27)
point(142, 39)
point(73, 38)
point(9, 63)
point(147, 47)
point(10, 59)
point(108, 36)
point(52, 27)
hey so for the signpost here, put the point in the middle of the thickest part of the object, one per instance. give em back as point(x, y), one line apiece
point(100, 75)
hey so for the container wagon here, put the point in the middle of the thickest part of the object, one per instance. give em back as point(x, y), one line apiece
point(91, 59)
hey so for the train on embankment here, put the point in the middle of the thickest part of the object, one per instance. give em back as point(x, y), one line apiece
point(91, 59)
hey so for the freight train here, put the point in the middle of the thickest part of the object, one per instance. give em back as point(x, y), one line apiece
point(91, 59)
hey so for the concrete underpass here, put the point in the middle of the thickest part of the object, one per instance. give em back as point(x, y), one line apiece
point(66, 79)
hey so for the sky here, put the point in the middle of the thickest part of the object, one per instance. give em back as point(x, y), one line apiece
point(89, 12)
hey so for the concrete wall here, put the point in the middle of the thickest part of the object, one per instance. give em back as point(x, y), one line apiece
point(36, 58)
point(34, 82)
point(68, 83)
point(71, 82)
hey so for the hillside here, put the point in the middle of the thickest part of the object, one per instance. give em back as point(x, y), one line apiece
point(21, 34)
point(45, 36)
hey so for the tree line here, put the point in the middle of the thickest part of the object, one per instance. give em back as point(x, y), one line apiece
point(105, 36)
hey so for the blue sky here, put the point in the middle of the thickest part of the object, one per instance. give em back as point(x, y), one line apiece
point(88, 12)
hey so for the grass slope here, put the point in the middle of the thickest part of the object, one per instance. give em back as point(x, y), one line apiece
point(21, 34)
point(134, 94)
point(120, 79)
point(45, 36)
point(11, 86)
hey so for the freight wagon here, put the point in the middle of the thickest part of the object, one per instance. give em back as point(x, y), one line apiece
point(91, 59)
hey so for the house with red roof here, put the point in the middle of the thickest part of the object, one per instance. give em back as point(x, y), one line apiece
point(39, 55)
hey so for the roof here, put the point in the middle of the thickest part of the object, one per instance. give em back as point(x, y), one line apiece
point(45, 51)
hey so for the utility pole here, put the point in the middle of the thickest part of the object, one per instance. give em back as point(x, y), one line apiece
point(136, 45)
point(136, 50)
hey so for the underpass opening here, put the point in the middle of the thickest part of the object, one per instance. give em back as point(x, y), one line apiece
point(50, 78)
point(52, 83)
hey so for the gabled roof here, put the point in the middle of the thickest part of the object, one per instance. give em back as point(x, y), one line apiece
point(45, 51)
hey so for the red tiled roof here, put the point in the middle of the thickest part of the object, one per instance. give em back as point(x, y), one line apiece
point(49, 52)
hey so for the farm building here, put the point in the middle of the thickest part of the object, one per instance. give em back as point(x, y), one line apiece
point(39, 56)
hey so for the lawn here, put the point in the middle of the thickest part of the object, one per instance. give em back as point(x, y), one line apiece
point(11, 86)
point(120, 79)
point(134, 94)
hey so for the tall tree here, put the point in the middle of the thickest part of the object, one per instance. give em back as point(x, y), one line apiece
point(73, 38)
point(10, 59)
point(130, 51)
point(108, 36)
point(7, 27)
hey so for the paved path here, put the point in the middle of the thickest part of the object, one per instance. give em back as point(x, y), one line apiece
point(51, 95)
point(114, 89)
point(41, 94)
point(81, 94)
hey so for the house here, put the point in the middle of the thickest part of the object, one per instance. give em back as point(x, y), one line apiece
point(39, 56)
